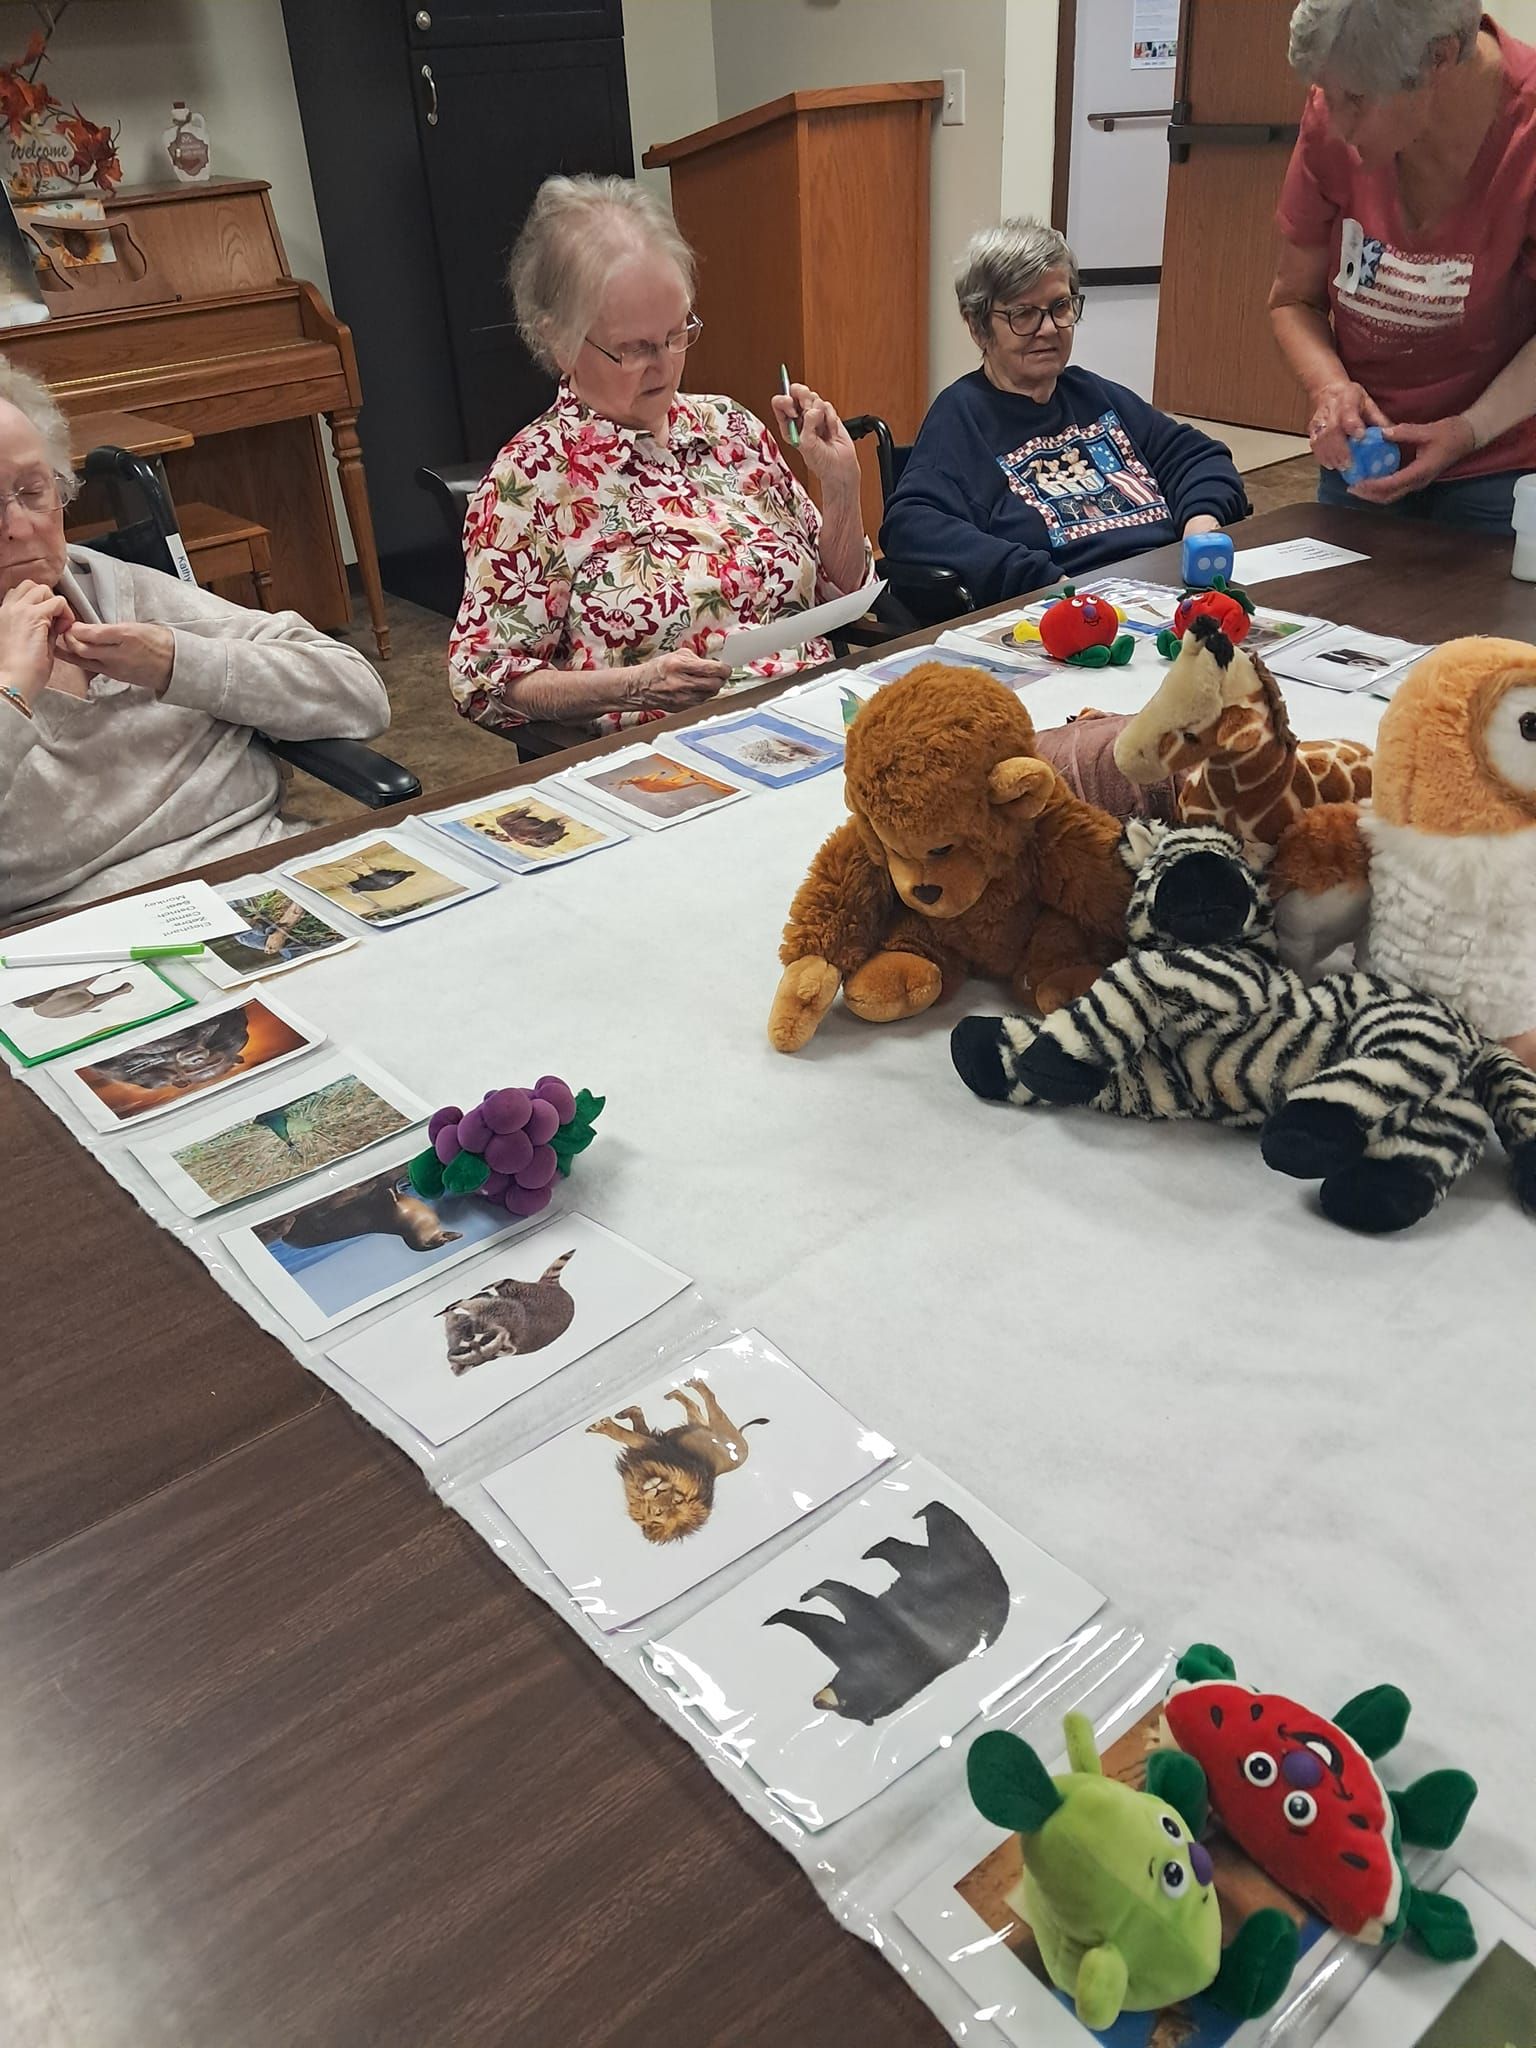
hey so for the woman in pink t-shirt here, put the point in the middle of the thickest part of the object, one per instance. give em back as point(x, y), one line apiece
point(1405, 296)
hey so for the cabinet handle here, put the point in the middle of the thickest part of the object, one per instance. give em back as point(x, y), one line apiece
point(426, 72)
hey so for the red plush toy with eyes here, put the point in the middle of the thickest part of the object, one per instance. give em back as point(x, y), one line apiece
point(1231, 608)
point(1082, 630)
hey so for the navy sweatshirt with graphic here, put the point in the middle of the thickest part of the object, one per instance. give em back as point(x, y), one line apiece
point(1012, 495)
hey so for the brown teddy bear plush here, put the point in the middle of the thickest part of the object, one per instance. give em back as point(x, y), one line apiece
point(965, 853)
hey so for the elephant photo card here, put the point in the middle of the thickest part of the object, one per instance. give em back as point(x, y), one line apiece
point(642, 1502)
point(151, 1072)
point(968, 1915)
point(463, 1349)
point(384, 879)
point(270, 1136)
point(847, 1659)
point(326, 1259)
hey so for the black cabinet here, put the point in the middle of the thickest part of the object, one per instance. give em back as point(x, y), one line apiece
point(428, 131)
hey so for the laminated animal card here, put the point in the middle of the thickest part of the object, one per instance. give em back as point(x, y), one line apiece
point(149, 1073)
point(651, 789)
point(890, 666)
point(459, 1352)
point(81, 1008)
point(277, 932)
point(646, 1500)
point(969, 1915)
point(524, 830)
point(846, 1660)
point(1489, 2001)
point(276, 1134)
point(1343, 658)
point(337, 1253)
point(763, 748)
point(830, 705)
point(385, 880)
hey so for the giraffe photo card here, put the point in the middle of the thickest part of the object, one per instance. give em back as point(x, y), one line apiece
point(467, 1347)
point(384, 880)
point(848, 1658)
point(640, 1503)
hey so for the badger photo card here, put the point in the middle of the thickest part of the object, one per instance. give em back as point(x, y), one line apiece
point(150, 1073)
point(641, 1503)
point(970, 1914)
point(1488, 2001)
point(268, 1137)
point(848, 1659)
point(462, 1350)
point(326, 1259)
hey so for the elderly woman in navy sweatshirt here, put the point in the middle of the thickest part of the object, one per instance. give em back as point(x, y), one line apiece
point(1026, 471)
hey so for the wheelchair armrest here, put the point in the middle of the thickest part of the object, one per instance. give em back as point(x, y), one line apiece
point(931, 594)
point(348, 766)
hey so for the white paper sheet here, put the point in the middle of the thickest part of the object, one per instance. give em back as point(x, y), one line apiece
point(752, 643)
point(1341, 658)
point(1289, 558)
point(182, 916)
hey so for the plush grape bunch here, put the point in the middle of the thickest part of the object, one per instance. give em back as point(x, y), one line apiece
point(509, 1147)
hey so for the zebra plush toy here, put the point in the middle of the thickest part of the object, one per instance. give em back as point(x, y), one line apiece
point(1383, 1095)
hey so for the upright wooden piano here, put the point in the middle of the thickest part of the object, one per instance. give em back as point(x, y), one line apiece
point(199, 322)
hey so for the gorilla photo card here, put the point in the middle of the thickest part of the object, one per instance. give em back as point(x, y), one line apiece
point(846, 1660)
point(152, 1072)
point(460, 1351)
point(645, 1501)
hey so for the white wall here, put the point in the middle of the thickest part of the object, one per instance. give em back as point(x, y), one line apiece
point(669, 56)
point(767, 47)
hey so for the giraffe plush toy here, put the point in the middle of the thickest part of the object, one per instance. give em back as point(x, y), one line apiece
point(1220, 722)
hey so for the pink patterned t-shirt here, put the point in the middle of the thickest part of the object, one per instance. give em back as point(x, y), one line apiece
point(592, 545)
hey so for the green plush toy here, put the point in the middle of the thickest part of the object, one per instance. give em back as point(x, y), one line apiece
point(1117, 1891)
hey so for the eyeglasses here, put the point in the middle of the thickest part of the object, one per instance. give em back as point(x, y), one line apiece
point(634, 355)
point(1026, 320)
point(45, 494)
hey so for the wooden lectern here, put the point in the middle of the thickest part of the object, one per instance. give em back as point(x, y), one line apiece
point(810, 217)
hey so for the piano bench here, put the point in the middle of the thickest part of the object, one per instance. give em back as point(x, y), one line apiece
point(220, 545)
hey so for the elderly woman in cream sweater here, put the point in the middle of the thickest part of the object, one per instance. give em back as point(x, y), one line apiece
point(129, 700)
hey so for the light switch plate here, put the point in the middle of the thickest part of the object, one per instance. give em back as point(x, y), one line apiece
point(953, 114)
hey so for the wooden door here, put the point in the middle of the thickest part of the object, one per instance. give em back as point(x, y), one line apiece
point(508, 117)
point(1216, 356)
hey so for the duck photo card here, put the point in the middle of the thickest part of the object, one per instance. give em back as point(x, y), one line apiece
point(462, 1350)
point(271, 1136)
point(81, 1008)
point(150, 1073)
point(853, 1655)
point(383, 880)
point(643, 1501)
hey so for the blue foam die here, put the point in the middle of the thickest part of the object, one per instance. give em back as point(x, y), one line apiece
point(1204, 556)
point(1371, 454)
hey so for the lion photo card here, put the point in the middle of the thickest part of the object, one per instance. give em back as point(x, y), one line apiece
point(82, 1008)
point(461, 1350)
point(146, 1075)
point(271, 1136)
point(657, 1492)
point(651, 789)
point(385, 880)
point(523, 830)
point(851, 1656)
point(964, 1914)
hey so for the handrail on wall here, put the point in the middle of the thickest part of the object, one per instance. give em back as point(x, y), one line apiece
point(1107, 121)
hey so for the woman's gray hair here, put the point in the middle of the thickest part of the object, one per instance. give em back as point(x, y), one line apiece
point(577, 233)
point(30, 395)
point(1377, 47)
point(999, 263)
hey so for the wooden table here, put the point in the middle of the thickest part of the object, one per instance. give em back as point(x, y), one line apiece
point(286, 1755)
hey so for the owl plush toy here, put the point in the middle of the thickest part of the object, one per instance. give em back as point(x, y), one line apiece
point(1436, 882)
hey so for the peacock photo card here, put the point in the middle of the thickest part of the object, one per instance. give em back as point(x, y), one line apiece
point(383, 880)
point(278, 1134)
point(460, 1350)
point(646, 1499)
point(853, 1655)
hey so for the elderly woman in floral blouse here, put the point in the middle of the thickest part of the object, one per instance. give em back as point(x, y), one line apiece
point(623, 531)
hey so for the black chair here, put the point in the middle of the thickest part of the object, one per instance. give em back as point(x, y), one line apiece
point(917, 594)
point(145, 533)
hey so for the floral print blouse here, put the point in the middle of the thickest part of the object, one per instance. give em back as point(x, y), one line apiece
point(592, 545)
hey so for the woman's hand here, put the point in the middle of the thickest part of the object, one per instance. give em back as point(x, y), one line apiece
point(31, 617)
point(1340, 413)
point(673, 682)
point(824, 440)
point(134, 652)
point(1203, 522)
point(1427, 450)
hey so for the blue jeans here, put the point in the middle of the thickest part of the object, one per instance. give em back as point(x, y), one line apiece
point(1484, 503)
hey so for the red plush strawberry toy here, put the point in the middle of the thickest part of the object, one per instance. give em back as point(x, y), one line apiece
point(1231, 608)
point(1084, 631)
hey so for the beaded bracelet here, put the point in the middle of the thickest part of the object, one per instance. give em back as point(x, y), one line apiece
point(15, 697)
